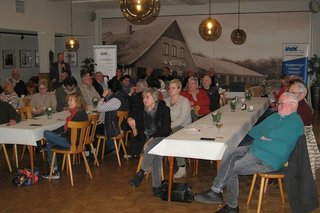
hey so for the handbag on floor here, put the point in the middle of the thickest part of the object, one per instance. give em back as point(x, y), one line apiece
point(23, 177)
point(181, 192)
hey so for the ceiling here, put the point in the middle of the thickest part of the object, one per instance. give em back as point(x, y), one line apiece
point(109, 4)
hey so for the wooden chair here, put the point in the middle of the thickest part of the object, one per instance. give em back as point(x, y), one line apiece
point(77, 144)
point(117, 140)
point(26, 101)
point(263, 186)
point(93, 126)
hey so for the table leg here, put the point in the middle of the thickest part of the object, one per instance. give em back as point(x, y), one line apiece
point(171, 161)
point(31, 162)
point(218, 165)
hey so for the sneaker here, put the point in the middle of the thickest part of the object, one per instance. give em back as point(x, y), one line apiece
point(55, 175)
point(228, 209)
point(182, 172)
point(209, 197)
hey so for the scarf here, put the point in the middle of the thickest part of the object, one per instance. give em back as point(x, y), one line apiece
point(72, 113)
point(149, 124)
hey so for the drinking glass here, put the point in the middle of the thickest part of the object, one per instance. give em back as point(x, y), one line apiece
point(218, 124)
point(233, 105)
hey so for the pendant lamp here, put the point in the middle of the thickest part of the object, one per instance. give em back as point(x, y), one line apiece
point(72, 44)
point(140, 11)
point(210, 29)
point(238, 36)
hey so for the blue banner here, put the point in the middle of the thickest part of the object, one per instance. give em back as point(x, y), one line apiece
point(295, 60)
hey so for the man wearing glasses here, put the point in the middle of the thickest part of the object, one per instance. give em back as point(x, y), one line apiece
point(274, 140)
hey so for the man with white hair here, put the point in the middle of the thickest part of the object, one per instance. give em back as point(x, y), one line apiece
point(274, 140)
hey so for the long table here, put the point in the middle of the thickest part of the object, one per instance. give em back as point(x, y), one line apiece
point(187, 143)
point(29, 131)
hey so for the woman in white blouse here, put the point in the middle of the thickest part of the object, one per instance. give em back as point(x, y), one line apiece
point(44, 99)
point(180, 112)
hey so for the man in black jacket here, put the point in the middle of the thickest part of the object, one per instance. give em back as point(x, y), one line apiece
point(20, 88)
point(56, 69)
point(8, 114)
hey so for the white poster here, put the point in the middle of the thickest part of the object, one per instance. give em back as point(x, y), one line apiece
point(105, 56)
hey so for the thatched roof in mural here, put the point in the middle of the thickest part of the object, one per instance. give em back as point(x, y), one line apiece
point(132, 46)
point(223, 67)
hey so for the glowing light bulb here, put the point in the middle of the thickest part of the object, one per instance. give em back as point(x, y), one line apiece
point(138, 6)
point(209, 25)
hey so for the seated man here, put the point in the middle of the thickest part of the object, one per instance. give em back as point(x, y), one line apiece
point(274, 140)
point(8, 114)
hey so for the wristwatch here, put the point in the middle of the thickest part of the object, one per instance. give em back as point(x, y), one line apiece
point(314, 6)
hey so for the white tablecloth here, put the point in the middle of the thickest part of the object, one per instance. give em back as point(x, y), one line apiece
point(27, 132)
point(186, 142)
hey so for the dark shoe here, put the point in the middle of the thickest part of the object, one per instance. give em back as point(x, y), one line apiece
point(228, 209)
point(156, 191)
point(209, 197)
point(136, 180)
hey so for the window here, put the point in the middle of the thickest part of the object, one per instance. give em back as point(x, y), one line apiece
point(165, 49)
point(174, 51)
point(181, 52)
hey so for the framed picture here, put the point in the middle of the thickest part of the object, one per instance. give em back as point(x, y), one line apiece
point(37, 59)
point(25, 58)
point(72, 58)
point(9, 59)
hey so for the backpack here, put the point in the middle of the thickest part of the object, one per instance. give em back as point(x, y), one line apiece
point(23, 177)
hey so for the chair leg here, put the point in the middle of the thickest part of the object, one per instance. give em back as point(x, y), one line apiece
point(98, 146)
point(15, 150)
point(281, 189)
point(63, 162)
point(103, 148)
point(140, 163)
point(87, 165)
point(70, 168)
point(94, 155)
point(218, 165)
point(252, 188)
point(266, 185)
point(162, 172)
point(42, 142)
point(6, 155)
point(52, 164)
point(23, 151)
point(117, 151)
point(195, 167)
point(261, 194)
point(123, 148)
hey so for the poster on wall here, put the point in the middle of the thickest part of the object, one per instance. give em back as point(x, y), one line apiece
point(174, 41)
point(295, 59)
point(105, 56)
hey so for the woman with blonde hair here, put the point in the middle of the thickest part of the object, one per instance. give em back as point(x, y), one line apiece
point(180, 112)
point(61, 136)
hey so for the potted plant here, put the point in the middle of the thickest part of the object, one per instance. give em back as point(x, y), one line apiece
point(314, 72)
point(87, 66)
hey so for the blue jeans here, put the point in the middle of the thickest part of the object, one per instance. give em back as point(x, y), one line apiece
point(236, 161)
point(54, 139)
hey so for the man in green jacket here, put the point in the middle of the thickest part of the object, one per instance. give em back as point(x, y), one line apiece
point(8, 114)
point(274, 140)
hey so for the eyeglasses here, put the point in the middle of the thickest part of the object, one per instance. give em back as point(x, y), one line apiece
point(281, 103)
point(296, 93)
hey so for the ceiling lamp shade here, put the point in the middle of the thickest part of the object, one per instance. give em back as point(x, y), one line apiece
point(210, 29)
point(238, 36)
point(140, 11)
point(72, 44)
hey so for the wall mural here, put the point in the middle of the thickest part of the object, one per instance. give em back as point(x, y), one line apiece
point(168, 41)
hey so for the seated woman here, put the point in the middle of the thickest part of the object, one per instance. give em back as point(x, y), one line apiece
point(198, 98)
point(42, 100)
point(180, 112)
point(9, 95)
point(61, 136)
point(150, 125)
point(68, 86)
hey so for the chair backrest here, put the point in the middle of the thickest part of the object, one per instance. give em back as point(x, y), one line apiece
point(25, 112)
point(79, 134)
point(122, 115)
point(93, 118)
